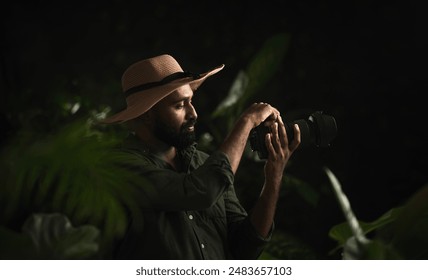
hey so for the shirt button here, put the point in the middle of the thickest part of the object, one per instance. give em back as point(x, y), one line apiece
point(202, 245)
point(191, 217)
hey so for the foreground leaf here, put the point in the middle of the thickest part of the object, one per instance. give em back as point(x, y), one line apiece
point(54, 237)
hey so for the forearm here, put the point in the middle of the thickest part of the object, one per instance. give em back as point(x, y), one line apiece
point(263, 213)
point(235, 142)
point(279, 153)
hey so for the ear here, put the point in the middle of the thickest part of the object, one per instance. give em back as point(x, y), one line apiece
point(148, 117)
point(144, 120)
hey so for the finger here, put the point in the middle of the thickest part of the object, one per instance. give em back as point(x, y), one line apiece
point(282, 133)
point(274, 113)
point(270, 113)
point(269, 122)
point(269, 145)
point(297, 138)
point(275, 137)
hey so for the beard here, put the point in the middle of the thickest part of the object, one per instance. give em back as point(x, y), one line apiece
point(179, 139)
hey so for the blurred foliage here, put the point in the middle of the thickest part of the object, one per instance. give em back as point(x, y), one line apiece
point(77, 171)
point(400, 233)
point(260, 70)
point(249, 82)
point(285, 246)
point(342, 232)
point(54, 237)
point(49, 236)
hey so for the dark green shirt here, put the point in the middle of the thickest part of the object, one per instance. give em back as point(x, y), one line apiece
point(193, 214)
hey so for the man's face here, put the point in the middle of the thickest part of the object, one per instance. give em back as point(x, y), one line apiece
point(175, 118)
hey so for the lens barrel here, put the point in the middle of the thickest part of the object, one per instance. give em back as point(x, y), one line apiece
point(318, 130)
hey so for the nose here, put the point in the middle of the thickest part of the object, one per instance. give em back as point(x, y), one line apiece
point(191, 112)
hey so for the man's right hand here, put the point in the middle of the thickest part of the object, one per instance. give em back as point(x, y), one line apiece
point(259, 112)
point(235, 142)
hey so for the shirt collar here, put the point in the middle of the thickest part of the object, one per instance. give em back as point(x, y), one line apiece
point(132, 142)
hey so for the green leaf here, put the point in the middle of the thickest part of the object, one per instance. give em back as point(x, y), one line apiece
point(400, 233)
point(342, 232)
point(409, 231)
point(345, 205)
point(55, 237)
point(260, 70)
point(236, 92)
point(285, 246)
point(75, 172)
point(372, 250)
point(305, 190)
point(266, 62)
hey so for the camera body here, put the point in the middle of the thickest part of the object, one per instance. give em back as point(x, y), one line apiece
point(317, 130)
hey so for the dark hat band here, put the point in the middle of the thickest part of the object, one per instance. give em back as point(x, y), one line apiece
point(164, 81)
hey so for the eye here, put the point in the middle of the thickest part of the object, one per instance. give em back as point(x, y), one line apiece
point(179, 105)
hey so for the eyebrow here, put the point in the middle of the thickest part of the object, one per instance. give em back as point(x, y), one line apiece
point(177, 100)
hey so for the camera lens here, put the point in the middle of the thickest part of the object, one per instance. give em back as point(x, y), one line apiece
point(325, 128)
point(318, 130)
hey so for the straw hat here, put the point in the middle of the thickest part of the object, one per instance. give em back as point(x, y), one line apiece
point(148, 81)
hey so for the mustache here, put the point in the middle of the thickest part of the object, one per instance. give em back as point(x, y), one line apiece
point(189, 123)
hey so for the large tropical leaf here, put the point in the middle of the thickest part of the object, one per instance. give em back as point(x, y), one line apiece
point(74, 171)
point(248, 82)
point(54, 237)
point(342, 232)
point(409, 231)
point(400, 233)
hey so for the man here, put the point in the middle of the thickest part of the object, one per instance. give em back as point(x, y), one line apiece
point(193, 211)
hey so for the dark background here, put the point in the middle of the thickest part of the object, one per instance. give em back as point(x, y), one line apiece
point(360, 61)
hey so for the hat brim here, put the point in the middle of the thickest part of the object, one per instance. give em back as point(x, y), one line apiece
point(141, 102)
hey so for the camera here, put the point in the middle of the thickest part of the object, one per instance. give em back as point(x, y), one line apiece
point(317, 130)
